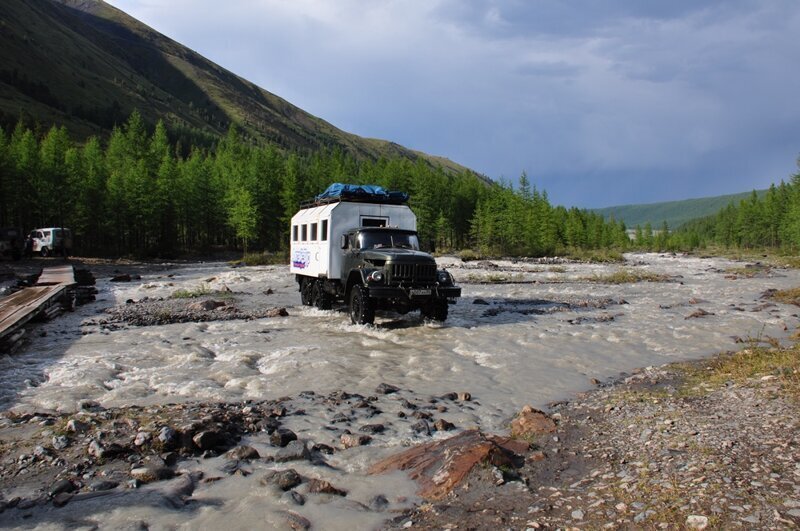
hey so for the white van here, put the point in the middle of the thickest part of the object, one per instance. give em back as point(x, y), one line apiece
point(51, 240)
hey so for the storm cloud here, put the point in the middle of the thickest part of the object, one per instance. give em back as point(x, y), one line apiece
point(600, 102)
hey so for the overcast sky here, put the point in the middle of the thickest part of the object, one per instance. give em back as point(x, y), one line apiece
point(601, 102)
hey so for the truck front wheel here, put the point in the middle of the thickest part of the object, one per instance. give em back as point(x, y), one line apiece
point(362, 308)
point(435, 310)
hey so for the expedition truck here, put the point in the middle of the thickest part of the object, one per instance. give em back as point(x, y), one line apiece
point(359, 244)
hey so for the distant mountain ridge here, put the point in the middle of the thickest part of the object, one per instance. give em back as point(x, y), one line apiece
point(87, 65)
point(675, 213)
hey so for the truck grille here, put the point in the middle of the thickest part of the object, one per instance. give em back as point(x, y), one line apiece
point(412, 273)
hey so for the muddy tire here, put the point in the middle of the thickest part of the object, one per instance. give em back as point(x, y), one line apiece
point(45, 252)
point(319, 298)
point(362, 308)
point(306, 286)
point(436, 311)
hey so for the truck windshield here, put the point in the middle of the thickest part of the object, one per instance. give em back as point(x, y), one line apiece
point(378, 240)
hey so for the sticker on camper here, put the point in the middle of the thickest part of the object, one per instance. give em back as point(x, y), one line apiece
point(301, 258)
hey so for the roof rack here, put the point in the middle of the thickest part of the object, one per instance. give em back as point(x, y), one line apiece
point(353, 193)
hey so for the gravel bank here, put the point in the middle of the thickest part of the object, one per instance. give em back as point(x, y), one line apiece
point(656, 450)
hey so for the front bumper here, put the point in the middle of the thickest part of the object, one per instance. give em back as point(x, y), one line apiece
point(434, 292)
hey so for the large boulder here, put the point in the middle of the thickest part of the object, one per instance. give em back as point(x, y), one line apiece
point(439, 466)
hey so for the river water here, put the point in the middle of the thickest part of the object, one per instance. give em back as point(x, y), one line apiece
point(539, 336)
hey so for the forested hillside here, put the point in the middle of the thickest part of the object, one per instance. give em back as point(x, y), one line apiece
point(768, 221)
point(673, 213)
point(87, 65)
point(137, 194)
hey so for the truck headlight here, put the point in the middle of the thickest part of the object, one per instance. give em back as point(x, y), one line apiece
point(375, 277)
point(445, 278)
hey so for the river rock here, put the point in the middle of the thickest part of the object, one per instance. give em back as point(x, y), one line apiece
point(95, 449)
point(443, 425)
point(531, 422)
point(320, 486)
point(77, 426)
point(207, 440)
point(268, 425)
point(698, 313)
point(243, 453)
point(421, 427)
point(295, 521)
point(378, 503)
point(143, 437)
point(167, 436)
point(60, 486)
point(283, 479)
point(294, 497)
point(293, 451)
point(276, 312)
point(60, 442)
point(103, 485)
point(323, 448)
point(386, 389)
point(282, 436)
point(151, 472)
point(351, 440)
point(61, 499)
point(372, 428)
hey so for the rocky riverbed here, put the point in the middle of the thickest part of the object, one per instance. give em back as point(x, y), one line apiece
point(204, 395)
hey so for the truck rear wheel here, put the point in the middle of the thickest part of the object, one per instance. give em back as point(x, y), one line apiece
point(362, 308)
point(436, 310)
point(319, 298)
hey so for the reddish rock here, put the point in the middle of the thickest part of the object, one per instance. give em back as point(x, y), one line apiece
point(439, 466)
point(320, 486)
point(531, 421)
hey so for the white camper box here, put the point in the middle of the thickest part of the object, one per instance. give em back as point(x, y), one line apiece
point(316, 233)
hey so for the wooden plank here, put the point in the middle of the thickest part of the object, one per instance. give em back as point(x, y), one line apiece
point(20, 307)
point(64, 274)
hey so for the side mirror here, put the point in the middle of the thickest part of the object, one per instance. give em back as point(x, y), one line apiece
point(343, 243)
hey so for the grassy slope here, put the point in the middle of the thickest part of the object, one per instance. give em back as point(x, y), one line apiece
point(87, 65)
point(675, 213)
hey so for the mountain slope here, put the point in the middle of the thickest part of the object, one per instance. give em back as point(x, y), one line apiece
point(675, 213)
point(87, 65)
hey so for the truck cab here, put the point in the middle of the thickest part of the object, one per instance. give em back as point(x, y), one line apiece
point(363, 249)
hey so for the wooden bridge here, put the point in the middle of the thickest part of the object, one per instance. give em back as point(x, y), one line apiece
point(46, 297)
